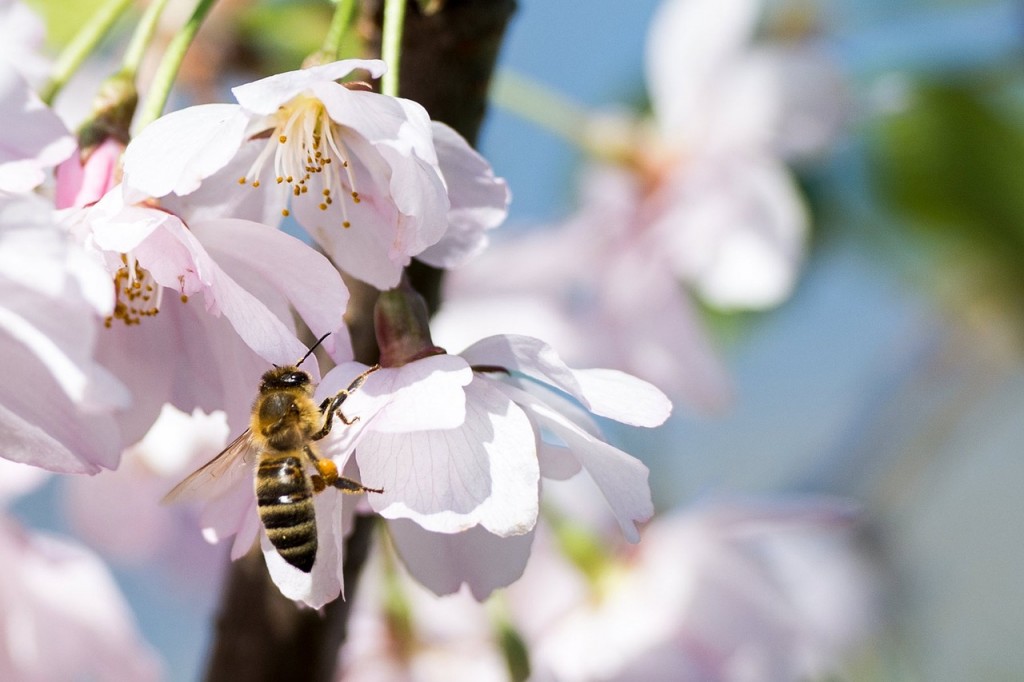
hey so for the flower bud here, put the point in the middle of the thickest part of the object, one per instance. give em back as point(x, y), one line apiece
point(400, 320)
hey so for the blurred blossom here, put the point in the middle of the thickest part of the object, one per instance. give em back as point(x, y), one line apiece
point(400, 632)
point(34, 139)
point(599, 288)
point(370, 177)
point(725, 592)
point(726, 113)
point(129, 499)
point(697, 195)
point(57, 403)
point(771, 591)
point(62, 616)
point(22, 39)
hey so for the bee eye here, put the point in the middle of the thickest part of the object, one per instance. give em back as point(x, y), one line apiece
point(295, 379)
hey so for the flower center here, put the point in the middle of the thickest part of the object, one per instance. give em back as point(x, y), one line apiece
point(309, 155)
point(137, 293)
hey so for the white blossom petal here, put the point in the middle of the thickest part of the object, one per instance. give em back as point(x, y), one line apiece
point(178, 150)
point(63, 616)
point(443, 563)
point(326, 581)
point(479, 200)
point(34, 138)
point(483, 472)
point(264, 96)
point(604, 392)
point(621, 478)
point(426, 394)
point(689, 43)
point(738, 234)
point(311, 284)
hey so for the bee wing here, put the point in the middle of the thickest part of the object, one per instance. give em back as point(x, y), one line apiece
point(219, 472)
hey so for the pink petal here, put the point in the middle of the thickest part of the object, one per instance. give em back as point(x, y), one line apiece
point(34, 138)
point(79, 185)
point(479, 200)
point(65, 616)
point(300, 273)
point(27, 443)
point(178, 150)
point(443, 563)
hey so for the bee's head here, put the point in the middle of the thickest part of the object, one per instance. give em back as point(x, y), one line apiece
point(288, 376)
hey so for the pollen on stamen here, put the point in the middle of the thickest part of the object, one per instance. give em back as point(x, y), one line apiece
point(346, 224)
point(135, 294)
point(355, 197)
point(255, 183)
point(241, 181)
point(323, 207)
point(285, 212)
point(282, 139)
point(279, 179)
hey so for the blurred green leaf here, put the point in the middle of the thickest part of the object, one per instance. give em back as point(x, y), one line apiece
point(951, 164)
point(63, 18)
point(278, 35)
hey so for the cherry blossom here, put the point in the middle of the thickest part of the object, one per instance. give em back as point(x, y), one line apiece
point(400, 631)
point(22, 38)
point(599, 287)
point(483, 474)
point(34, 138)
point(698, 194)
point(722, 202)
point(369, 177)
point(453, 442)
point(58, 403)
point(62, 615)
point(214, 349)
point(149, 532)
point(727, 592)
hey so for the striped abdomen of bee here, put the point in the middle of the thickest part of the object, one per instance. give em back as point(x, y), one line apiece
point(284, 499)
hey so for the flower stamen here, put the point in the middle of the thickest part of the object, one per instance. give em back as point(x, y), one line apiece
point(307, 147)
point(137, 295)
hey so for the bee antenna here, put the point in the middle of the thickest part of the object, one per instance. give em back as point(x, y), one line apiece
point(312, 348)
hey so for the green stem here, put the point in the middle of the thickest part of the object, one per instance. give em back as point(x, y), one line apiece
point(141, 38)
point(167, 72)
point(81, 46)
point(541, 105)
point(391, 44)
point(340, 22)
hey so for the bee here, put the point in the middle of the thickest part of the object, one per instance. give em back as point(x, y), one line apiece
point(285, 424)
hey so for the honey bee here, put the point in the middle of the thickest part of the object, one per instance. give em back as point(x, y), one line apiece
point(284, 426)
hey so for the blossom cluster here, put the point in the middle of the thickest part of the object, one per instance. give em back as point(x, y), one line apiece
point(150, 278)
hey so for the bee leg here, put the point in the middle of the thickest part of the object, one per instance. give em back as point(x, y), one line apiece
point(329, 476)
point(347, 485)
point(332, 406)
